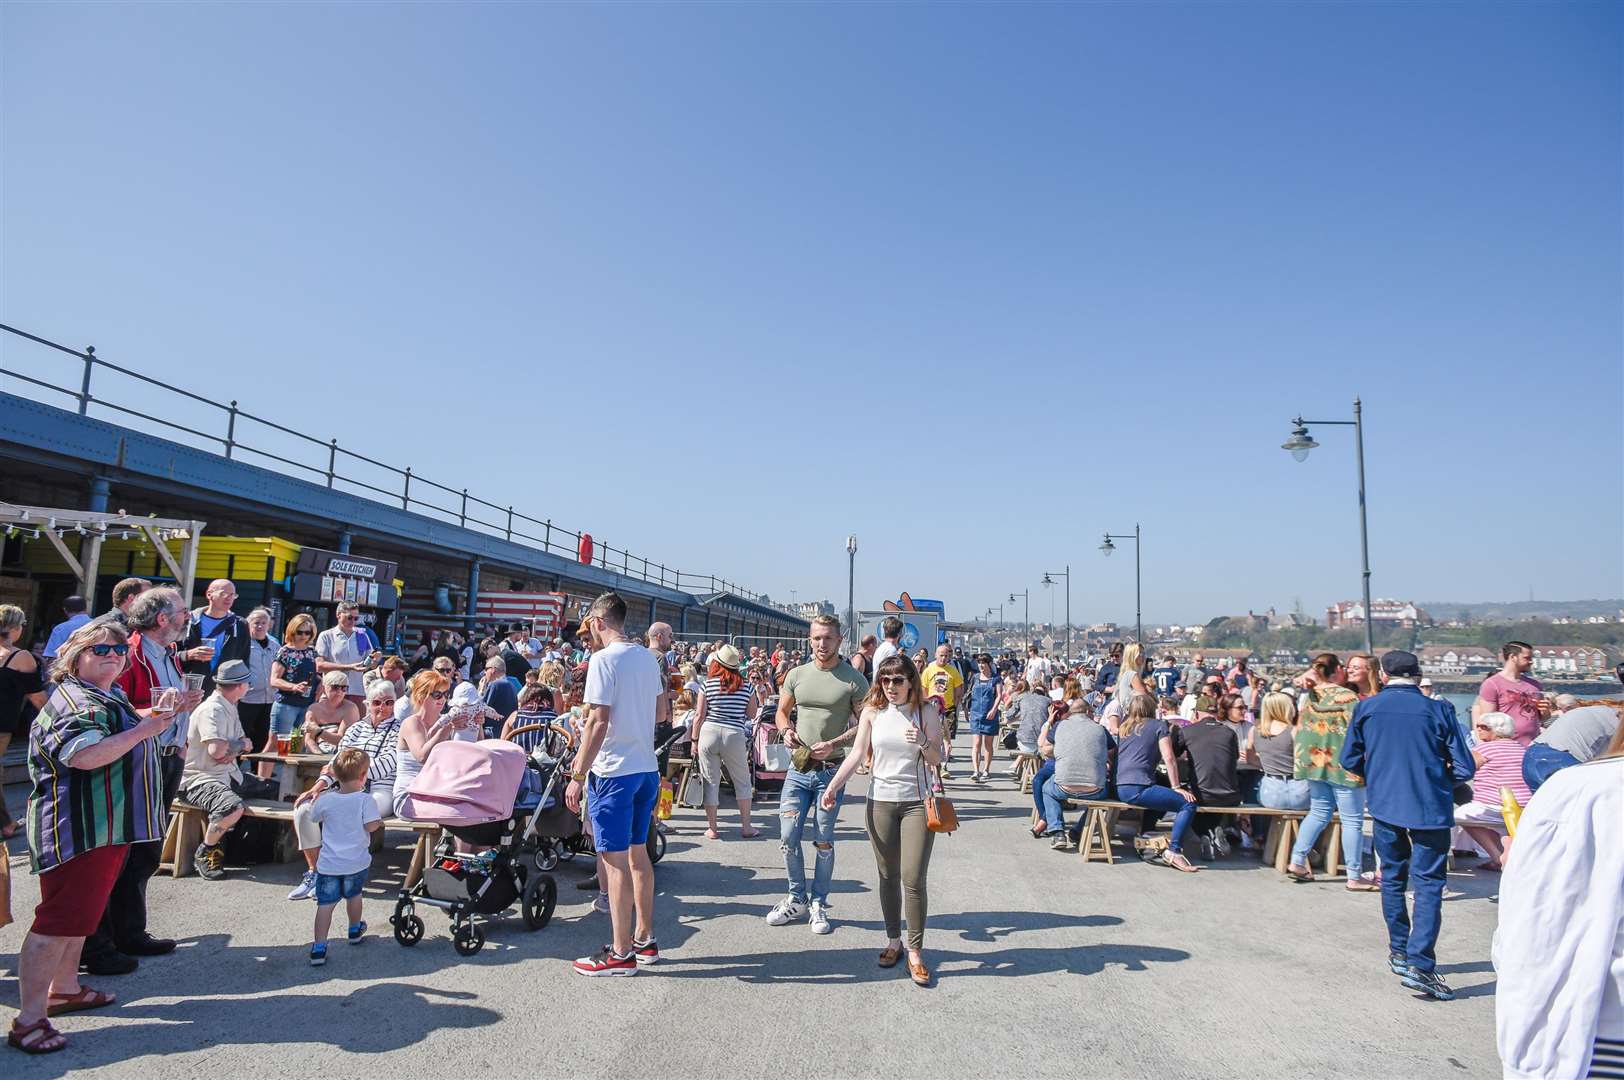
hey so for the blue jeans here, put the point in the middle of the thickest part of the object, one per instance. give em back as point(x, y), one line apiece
point(1053, 813)
point(1348, 803)
point(1541, 762)
point(1162, 800)
point(1403, 853)
point(1038, 781)
point(1278, 794)
point(799, 801)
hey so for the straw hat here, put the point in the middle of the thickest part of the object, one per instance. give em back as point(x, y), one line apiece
point(728, 657)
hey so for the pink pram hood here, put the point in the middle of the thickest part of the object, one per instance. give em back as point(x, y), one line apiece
point(466, 783)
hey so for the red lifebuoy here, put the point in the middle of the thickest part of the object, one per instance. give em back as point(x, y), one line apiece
point(586, 549)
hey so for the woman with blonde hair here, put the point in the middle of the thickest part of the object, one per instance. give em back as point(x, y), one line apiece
point(720, 735)
point(1130, 676)
point(330, 715)
point(1361, 675)
point(1274, 743)
point(1143, 739)
point(903, 733)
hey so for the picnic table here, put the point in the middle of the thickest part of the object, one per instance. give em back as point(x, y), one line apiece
point(305, 768)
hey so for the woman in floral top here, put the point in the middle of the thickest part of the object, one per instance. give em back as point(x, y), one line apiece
point(1323, 724)
point(293, 677)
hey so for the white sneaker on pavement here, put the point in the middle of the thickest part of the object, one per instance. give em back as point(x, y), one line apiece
point(788, 910)
point(306, 887)
point(820, 918)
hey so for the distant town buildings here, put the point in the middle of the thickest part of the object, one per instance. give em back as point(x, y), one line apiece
point(813, 608)
point(1392, 612)
point(1457, 660)
point(1570, 660)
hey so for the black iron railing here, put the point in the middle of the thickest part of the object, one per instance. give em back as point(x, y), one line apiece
point(468, 511)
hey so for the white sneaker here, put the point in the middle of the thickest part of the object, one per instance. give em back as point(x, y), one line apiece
point(820, 919)
point(788, 910)
point(306, 887)
point(1220, 841)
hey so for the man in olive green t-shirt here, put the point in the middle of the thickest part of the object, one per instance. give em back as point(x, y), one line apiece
point(826, 697)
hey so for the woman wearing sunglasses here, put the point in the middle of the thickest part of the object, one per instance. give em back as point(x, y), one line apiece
point(93, 760)
point(425, 727)
point(904, 733)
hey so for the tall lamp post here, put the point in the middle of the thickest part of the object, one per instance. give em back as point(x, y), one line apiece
point(851, 586)
point(1048, 579)
point(1026, 595)
point(1300, 444)
point(1138, 608)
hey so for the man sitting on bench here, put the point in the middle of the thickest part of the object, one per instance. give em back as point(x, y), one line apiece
point(1082, 751)
point(212, 780)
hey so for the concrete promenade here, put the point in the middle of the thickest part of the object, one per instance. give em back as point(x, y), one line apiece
point(1046, 967)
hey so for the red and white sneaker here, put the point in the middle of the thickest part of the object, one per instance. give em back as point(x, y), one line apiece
point(605, 962)
point(646, 952)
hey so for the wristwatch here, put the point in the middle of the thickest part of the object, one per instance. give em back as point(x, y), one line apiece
point(578, 777)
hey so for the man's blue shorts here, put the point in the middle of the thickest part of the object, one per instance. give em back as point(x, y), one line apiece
point(621, 808)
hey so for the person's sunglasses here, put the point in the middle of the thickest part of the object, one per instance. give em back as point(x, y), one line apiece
point(893, 680)
point(104, 648)
point(383, 701)
point(439, 695)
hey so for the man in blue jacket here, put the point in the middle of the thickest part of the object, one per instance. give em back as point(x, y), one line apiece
point(1411, 753)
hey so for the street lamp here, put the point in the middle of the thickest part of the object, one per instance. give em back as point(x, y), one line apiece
point(1026, 595)
point(1138, 613)
point(851, 586)
point(1300, 444)
point(1049, 580)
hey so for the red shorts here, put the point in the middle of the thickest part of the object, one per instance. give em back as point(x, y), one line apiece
point(73, 896)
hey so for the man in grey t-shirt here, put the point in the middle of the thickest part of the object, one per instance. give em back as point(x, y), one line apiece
point(1576, 736)
point(1081, 750)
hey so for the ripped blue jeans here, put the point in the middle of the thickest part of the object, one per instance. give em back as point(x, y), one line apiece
point(799, 801)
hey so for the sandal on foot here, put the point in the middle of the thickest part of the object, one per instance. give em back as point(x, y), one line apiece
point(46, 1040)
point(1177, 861)
point(1039, 829)
point(712, 834)
point(85, 999)
point(749, 834)
point(1299, 873)
point(1362, 885)
point(890, 956)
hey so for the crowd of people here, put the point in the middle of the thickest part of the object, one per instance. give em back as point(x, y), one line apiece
point(151, 701)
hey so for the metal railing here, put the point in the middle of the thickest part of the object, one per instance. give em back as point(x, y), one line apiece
point(468, 511)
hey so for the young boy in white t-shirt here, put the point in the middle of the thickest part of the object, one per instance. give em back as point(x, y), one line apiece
point(346, 816)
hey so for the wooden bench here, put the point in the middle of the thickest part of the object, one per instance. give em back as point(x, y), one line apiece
point(187, 824)
point(1099, 830)
point(1026, 768)
point(680, 771)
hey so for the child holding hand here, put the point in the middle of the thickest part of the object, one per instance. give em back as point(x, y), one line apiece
point(346, 815)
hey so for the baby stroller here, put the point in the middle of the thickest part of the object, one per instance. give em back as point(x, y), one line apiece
point(469, 789)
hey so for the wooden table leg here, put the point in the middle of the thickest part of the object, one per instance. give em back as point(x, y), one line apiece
point(420, 856)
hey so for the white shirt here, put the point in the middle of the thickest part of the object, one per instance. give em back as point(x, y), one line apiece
point(884, 652)
point(343, 818)
point(1038, 670)
point(337, 647)
point(626, 678)
point(897, 766)
point(1559, 948)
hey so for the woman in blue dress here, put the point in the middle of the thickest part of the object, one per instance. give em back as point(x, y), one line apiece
point(984, 688)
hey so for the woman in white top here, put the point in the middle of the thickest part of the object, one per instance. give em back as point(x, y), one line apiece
point(904, 733)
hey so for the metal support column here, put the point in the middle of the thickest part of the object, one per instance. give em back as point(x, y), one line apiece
point(473, 597)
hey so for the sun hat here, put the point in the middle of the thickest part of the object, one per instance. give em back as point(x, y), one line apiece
point(728, 657)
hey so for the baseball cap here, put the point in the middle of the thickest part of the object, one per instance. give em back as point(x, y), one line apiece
point(1401, 664)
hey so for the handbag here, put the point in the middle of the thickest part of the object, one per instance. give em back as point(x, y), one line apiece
point(940, 817)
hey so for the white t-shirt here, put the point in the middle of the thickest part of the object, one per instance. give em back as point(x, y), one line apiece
point(884, 652)
point(1038, 670)
point(896, 769)
point(625, 677)
point(343, 818)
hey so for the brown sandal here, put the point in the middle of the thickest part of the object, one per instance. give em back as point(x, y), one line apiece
point(19, 1037)
point(918, 972)
point(1299, 873)
point(84, 1000)
point(890, 956)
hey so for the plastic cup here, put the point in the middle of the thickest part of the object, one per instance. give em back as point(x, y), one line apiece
point(282, 744)
point(193, 682)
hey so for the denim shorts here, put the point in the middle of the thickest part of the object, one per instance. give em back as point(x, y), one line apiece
point(621, 808)
point(330, 888)
point(285, 717)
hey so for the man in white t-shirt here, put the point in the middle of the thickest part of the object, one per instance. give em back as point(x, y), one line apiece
point(891, 643)
point(625, 700)
point(1038, 667)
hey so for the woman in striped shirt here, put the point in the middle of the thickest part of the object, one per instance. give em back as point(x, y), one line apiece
point(1499, 758)
point(721, 732)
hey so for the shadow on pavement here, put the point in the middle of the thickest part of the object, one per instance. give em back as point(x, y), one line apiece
point(849, 966)
point(370, 1020)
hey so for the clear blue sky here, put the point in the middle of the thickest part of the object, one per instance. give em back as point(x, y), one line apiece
point(973, 282)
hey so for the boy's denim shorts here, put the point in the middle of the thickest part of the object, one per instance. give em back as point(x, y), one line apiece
point(330, 888)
